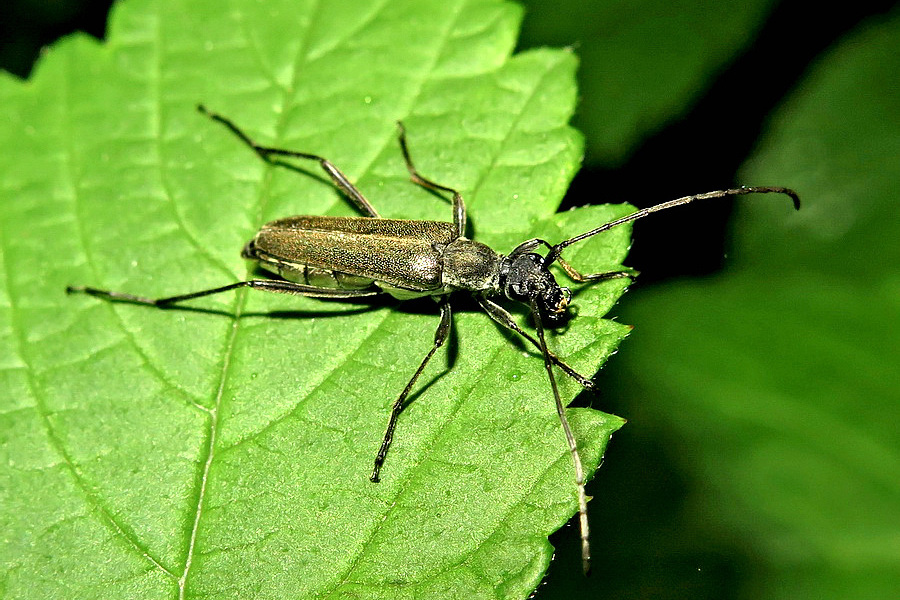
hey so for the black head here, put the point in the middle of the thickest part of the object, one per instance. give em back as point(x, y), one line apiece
point(526, 278)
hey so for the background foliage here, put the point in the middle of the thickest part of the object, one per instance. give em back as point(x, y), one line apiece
point(761, 454)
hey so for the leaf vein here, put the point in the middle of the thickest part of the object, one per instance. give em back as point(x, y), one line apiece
point(106, 515)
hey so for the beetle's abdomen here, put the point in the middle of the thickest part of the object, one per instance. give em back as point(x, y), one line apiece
point(354, 252)
point(303, 273)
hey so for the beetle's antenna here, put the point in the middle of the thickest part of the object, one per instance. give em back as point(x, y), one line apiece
point(558, 248)
point(573, 447)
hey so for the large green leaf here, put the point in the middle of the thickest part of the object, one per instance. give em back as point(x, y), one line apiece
point(223, 450)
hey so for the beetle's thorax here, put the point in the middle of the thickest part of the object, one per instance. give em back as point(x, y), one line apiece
point(470, 265)
point(525, 278)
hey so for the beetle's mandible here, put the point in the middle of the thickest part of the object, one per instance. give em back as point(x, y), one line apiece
point(356, 257)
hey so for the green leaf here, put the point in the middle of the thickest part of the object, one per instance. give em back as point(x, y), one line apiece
point(773, 386)
point(223, 450)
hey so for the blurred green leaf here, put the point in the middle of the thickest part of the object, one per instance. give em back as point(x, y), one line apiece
point(643, 62)
point(223, 450)
point(774, 384)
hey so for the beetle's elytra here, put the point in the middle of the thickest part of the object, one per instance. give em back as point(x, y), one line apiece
point(355, 257)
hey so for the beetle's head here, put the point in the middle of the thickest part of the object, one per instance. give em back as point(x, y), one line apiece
point(526, 278)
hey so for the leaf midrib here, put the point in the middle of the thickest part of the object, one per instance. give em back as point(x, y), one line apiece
point(241, 297)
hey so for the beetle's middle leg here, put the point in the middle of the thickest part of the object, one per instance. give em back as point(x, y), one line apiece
point(265, 152)
point(440, 336)
point(459, 207)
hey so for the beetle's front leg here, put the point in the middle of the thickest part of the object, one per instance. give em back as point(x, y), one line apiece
point(502, 316)
point(440, 336)
point(571, 271)
point(579, 277)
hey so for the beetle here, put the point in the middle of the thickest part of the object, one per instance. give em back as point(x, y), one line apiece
point(342, 258)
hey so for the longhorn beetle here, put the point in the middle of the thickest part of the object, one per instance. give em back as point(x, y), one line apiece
point(357, 257)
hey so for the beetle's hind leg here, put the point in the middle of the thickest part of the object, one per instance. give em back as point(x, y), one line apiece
point(459, 207)
point(268, 285)
point(266, 153)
